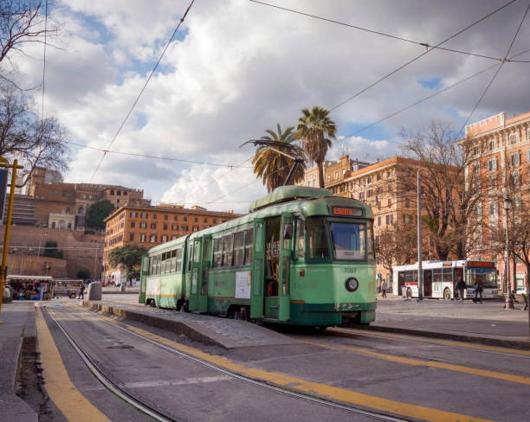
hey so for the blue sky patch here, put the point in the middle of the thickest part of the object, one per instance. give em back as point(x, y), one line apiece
point(434, 83)
point(374, 133)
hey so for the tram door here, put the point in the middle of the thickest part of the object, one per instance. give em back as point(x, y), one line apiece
point(258, 270)
point(143, 276)
point(286, 247)
point(199, 274)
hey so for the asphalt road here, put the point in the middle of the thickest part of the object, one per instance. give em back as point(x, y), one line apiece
point(438, 376)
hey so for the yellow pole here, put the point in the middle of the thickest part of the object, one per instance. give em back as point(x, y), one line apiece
point(5, 249)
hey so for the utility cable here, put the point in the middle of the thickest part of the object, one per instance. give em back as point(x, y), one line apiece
point(135, 102)
point(44, 59)
point(375, 32)
point(490, 83)
point(414, 59)
point(154, 157)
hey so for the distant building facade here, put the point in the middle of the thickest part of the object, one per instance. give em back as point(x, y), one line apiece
point(500, 151)
point(150, 226)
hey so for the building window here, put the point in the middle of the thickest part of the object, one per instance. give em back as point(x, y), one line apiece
point(369, 179)
point(166, 217)
point(143, 224)
point(153, 226)
point(185, 218)
point(133, 224)
point(155, 216)
point(491, 145)
point(112, 192)
point(336, 174)
point(493, 209)
point(131, 237)
point(152, 238)
point(513, 138)
point(118, 192)
point(515, 160)
point(492, 164)
point(164, 238)
point(389, 202)
point(379, 220)
point(195, 220)
point(142, 237)
point(389, 219)
point(165, 226)
point(493, 182)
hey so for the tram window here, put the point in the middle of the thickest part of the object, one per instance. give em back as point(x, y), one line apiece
point(300, 238)
point(349, 240)
point(227, 250)
point(370, 247)
point(317, 238)
point(190, 255)
point(178, 266)
point(217, 252)
point(239, 248)
point(249, 239)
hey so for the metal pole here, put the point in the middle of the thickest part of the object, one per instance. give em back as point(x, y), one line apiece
point(5, 250)
point(508, 297)
point(418, 230)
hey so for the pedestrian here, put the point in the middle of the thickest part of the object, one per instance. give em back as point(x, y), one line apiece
point(383, 288)
point(525, 305)
point(461, 287)
point(478, 292)
point(82, 291)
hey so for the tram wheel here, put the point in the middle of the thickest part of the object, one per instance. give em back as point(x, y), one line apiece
point(447, 294)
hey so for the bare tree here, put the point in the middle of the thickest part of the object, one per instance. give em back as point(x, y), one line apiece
point(449, 195)
point(396, 245)
point(34, 142)
point(21, 21)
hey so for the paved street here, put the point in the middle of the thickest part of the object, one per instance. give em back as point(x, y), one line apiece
point(381, 373)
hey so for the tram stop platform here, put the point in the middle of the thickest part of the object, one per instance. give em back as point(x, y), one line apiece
point(17, 326)
point(211, 330)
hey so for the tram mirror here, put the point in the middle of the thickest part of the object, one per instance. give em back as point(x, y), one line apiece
point(288, 231)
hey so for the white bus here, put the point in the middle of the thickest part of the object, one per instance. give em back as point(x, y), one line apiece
point(440, 278)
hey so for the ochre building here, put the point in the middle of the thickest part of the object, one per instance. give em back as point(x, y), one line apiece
point(499, 147)
point(150, 226)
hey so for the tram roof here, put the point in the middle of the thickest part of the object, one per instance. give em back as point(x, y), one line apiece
point(289, 193)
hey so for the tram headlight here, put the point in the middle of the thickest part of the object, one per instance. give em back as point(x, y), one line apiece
point(352, 284)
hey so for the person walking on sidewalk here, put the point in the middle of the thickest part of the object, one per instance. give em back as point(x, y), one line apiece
point(461, 287)
point(478, 292)
point(82, 291)
point(384, 287)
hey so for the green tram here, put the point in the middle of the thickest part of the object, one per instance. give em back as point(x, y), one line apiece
point(301, 256)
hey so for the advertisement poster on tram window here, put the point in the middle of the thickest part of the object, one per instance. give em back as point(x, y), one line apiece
point(242, 285)
point(4, 174)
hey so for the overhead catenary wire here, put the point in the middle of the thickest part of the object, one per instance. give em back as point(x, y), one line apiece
point(44, 59)
point(375, 32)
point(137, 99)
point(155, 157)
point(490, 83)
point(416, 58)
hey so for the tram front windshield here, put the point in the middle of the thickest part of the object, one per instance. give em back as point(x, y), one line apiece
point(487, 277)
point(348, 240)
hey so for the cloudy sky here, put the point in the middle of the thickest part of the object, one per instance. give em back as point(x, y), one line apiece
point(236, 68)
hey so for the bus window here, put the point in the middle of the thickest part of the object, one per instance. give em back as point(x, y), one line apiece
point(317, 238)
point(248, 246)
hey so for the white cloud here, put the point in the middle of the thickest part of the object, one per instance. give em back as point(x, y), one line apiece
point(242, 68)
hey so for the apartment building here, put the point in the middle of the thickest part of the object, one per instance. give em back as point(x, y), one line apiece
point(500, 150)
point(150, 226)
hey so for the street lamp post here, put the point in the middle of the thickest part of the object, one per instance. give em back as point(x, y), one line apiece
point(507, 205)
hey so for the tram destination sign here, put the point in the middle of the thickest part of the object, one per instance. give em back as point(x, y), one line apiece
point(347, 211)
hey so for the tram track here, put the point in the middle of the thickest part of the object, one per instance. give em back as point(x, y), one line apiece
point(159, 415)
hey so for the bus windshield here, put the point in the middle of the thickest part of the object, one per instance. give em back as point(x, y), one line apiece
point(487, 277)
point(350, 240)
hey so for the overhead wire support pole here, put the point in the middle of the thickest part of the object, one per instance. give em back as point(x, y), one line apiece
point(7, 230)
point(418, 231)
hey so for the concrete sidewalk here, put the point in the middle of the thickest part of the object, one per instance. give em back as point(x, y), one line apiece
point(487, 323)
point(18, 321)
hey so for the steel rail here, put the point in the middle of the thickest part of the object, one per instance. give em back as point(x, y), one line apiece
point(110, 385)
point(314, 399)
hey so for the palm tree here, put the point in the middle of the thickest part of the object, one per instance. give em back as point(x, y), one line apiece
point(272, 167)
point(316, 130)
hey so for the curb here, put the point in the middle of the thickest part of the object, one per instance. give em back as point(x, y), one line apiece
point(491, 341)
point(177, 327)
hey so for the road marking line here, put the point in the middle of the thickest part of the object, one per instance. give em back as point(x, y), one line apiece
point(64, 394)
point(304, 386)
point(427, 363)
point(187, 381)
point(412, 338)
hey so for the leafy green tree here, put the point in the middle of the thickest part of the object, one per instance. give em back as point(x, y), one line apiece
point(51, 250)
point(272, 167)
point(316, 130)
point(83, 274)
point(129, 256)
point(96, 214)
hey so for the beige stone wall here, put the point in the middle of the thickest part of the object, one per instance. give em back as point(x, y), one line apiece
point(36, 265)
